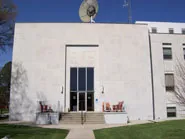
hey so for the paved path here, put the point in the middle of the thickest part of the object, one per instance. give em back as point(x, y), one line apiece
point(80, 131)
point(86, 131)
point(80, 134)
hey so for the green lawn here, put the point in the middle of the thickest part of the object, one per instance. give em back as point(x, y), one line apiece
point(163, 130)
point(26, 132)
point(2, 111)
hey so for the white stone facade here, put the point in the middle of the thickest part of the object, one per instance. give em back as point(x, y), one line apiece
point(126, 59)
point(44, 52)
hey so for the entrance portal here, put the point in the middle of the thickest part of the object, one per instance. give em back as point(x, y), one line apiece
point(82, 89)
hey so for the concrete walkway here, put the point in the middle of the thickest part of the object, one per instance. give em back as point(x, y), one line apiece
point(86, 131)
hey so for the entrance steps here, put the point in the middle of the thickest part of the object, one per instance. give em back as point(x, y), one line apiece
point(85, 118)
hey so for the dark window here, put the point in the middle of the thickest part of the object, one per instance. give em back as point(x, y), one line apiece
point(154, 30)
point(81, 79)
point(90, 79)
point(73, 79)
point(169, 82)
point(171, 111)
point(167, 44)
point(184, 52)
point(183, 44)
point(171, 31)
point(183, 31)
point(167, 53)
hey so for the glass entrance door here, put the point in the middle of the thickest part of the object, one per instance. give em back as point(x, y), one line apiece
point(82, 101)
point(82, 89)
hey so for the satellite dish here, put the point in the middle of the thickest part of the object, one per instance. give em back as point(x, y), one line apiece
point(88, 10)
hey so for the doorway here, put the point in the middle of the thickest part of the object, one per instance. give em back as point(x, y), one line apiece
point(82, 101)
point(82, 89)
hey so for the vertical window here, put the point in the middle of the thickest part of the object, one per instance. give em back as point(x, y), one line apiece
point(167, 53)
point(184, 52)
point(82, 79)
point(171, 111)
point(169, 82)
point(183, 30)
point(154, 30)
point(90, 79)
point(73, 79)
point(171, 31)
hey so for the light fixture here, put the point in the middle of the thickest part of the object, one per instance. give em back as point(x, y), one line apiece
point(62, 90)
point(102, 89)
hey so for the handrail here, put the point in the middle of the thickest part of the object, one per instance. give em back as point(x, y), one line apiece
point(82, 117)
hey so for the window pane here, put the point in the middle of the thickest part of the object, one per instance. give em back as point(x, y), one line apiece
point(90, 79)
point(73, 101)
point(171, 30)
point(154, 30)
point(184, 50)
point(81, 79)
point(90, 101)
point(171, 111)
point(167, 53)
point(169, 80)
point(73, 79)
point(183, 31)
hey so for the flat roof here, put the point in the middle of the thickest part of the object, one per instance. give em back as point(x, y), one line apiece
point(78, 23)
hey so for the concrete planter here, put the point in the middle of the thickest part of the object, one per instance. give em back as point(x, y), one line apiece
point(47, 118)
point(115, 117)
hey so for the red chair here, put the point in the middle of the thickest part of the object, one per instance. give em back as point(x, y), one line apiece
point(106, 107)
point(45, 108)
point(118, 107)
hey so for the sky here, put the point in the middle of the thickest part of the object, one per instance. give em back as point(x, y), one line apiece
point(110, 11)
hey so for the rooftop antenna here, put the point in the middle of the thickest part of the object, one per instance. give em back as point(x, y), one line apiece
point(88, 10)
point(127, 3)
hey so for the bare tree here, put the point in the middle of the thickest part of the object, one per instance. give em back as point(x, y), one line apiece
point(180, 83)
point(7, 16)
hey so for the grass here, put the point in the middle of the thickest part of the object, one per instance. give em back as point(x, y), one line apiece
point(162, 130)
point(3, 111)
point(26, 132)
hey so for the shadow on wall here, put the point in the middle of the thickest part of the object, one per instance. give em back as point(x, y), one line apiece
point(21, 107)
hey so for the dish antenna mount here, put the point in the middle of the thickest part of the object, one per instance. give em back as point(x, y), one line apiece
point(127, 3)
point(88, 10)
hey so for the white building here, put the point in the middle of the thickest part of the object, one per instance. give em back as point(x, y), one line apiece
point(78, 66)
point(167, 42)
